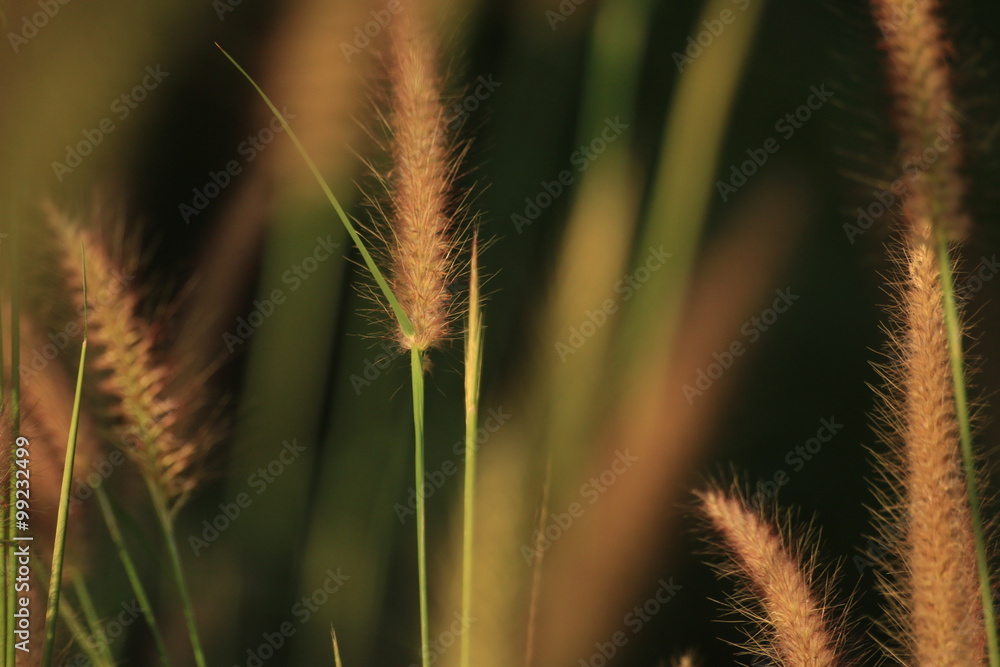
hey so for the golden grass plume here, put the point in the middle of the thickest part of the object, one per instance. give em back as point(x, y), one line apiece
point(147, 413)
point(930, 576)
point(423, 248)
point(798, 627)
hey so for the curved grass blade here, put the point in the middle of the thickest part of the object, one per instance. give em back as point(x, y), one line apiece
point(404, 321)
point(133, 576)
point(90, 615)
point(59, 549)
point(473, 373)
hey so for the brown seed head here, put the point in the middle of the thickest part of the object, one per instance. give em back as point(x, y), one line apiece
point(146, 415)
point(794, 617)
point(916, 52)
point(423, 248)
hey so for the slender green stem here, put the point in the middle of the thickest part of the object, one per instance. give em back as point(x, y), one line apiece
point(15, 415)
point(133, 576)
point(468, 516)
point(417, 377)
point(90, 615)
point(59, 549)
point(473, 373)
point(73, 623)
point(7, 599)
point(82, 637)
point(397, 309)
point(166, 524)
point(954, 329)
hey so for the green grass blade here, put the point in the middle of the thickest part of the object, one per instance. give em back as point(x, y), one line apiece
point(417, 380)
point(15, 414)
point(166, 524)
point(72, 620)
point(473, 373)
point(683, 187)
point(59, 549)
point(956, 356)
point(91, 617)
point(133, 576)
point(404, 321)
point(83, 639)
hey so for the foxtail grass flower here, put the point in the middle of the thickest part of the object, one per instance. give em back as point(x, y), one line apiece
point(795, 620)
point(147, 416)
point(919, 77)
point(423, 249)
point(934, 579)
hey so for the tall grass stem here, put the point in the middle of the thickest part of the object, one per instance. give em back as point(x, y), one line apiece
point(59, 548)
point(336, 648)
point(473, 373)
point(417, 378)
point(166, 524)
point(90, 615)
point(15, 415)
point(956, 357)
point(133, 576)
point(73, 623)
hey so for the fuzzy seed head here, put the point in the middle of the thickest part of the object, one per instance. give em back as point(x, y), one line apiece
point(146, 416)
point(916, 52)
point(794, 617)
point(423, 251)
point(935, 589)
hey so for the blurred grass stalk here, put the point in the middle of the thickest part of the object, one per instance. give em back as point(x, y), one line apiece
point(594, 253)
point(282, 389)
point(131, 572)
point(475, 330)
point(680, 192)
point(91, 616)
point(68, 614)
point(695, 129)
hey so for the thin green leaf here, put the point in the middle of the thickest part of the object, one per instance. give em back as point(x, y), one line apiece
point(133, 576)
point(956, 357)
point(473, 373)
point(59, 549)
point(397, 309)
point(97, 635)
point(417, 380)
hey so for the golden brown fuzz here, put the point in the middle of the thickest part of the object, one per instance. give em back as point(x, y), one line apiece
point(423, 247)
point(795, 619)
point(146, 417)
point(920, 82)
point(932, 577)
point(938, 585)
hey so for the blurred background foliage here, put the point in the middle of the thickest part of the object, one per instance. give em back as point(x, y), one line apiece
point(308, 373)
